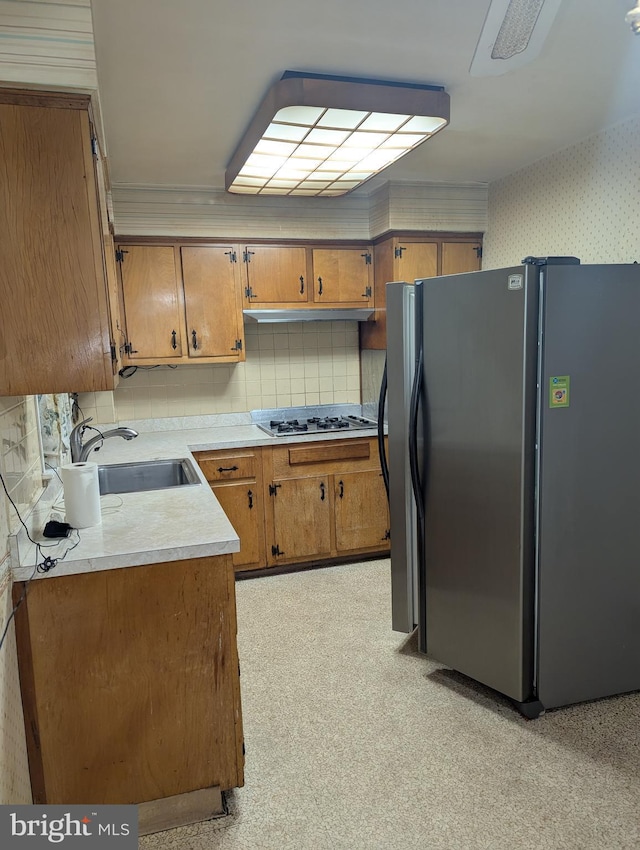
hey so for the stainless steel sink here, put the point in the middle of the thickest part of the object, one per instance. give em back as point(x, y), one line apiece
point(146, 475)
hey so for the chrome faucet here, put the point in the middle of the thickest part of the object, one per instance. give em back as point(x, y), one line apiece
point(80, 451)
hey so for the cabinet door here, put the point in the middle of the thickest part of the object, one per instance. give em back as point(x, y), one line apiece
point(415, 260)
point(242, 504)
point(361, 511)
point(152, 301)
point(275, 275)
point(342, 275)
point(212, 301)
point(301, 519)
point(54, 334)
point(458, 257)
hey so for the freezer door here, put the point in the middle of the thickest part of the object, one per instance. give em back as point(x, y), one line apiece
point(400, 370)
point(480, 353)
point(589, 578)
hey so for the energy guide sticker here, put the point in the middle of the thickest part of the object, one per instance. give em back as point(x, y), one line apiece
point(559, 391)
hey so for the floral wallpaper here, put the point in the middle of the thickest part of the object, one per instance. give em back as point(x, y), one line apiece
point(55, 426)
point(583, 201)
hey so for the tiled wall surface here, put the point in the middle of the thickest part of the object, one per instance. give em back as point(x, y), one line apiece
point(287, 365)
point(20, 468)
point(583, 201)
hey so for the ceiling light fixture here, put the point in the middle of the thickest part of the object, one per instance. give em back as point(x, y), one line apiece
point(512, 35)
point(322, 135)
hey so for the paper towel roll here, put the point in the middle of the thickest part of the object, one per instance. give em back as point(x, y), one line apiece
point(81, 494)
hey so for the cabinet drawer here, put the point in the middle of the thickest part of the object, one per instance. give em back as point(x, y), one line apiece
point(324, 457)
point(227, 467)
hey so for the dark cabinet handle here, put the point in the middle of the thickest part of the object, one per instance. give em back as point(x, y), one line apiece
point(322, 492)
point(194, 340)
point(250, 495)
point(301, 285)
point(174, 344)
point(341, 485)
point(227, 468)
point(320, 284)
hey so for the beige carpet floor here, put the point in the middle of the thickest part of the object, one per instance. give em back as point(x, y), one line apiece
point(356, 741)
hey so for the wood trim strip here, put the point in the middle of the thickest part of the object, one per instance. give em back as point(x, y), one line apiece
point(328, 451)
point(29, 696)
point(58, 100)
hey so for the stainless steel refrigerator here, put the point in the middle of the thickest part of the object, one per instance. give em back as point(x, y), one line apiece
point(514, 405)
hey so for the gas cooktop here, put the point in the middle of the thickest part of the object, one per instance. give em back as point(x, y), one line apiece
point(311, 420)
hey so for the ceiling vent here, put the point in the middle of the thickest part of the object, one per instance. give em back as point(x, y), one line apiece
point(513, 34)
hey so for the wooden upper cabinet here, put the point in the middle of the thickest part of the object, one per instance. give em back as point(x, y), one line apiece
point(212, 301)
point(152, 302)
point(54, 321)
point(275, 274)
point(458, 257)
point(413, 258)
point(182, 303)
point(342, 276)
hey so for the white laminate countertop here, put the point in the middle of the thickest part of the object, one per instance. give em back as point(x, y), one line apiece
point(154, 526)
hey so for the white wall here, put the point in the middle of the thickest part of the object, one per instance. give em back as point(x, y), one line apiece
point(582, 201)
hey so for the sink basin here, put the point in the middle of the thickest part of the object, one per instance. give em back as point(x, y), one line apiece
point(146, 475)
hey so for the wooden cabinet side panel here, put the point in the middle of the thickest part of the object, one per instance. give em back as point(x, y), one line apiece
point(54, 327)
point(134, 672)
point(152, 303)
point(373, 335)
point(213, 311)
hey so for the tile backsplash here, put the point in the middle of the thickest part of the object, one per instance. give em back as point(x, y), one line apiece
point(288, 365)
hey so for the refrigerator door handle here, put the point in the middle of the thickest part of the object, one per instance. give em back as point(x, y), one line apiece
point(384, 465)
point(414, 409)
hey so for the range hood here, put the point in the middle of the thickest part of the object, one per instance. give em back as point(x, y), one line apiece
point(322, 314)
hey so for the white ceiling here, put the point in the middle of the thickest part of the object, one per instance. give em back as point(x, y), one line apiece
point(180, 80)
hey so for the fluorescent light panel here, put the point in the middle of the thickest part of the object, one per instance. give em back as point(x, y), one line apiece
point(303, 148)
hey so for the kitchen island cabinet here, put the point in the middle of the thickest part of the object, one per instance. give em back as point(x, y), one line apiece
point(55, 320)
point(130, 684)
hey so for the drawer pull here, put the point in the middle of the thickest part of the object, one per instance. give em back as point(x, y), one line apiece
point(250, 495)
point(227, 468)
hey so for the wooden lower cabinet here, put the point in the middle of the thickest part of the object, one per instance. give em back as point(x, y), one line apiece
point(236, 479)
point(362, 515)
point(300, 514)
point(286, 506)
point(130, 683)
point(324, 500)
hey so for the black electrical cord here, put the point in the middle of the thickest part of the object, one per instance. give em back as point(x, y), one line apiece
point(42, 566)
point(128, 371)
